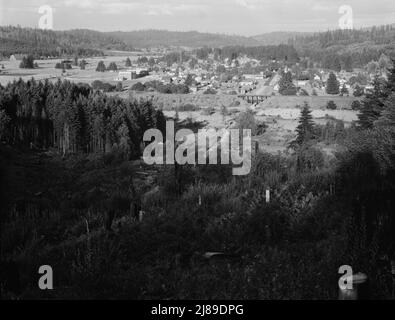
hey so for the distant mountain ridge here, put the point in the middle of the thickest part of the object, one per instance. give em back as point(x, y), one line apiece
point(194, 39)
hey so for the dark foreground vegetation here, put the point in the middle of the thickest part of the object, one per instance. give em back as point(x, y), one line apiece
point(78, 209)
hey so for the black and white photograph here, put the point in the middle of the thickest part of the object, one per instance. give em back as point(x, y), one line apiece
point(197, 150)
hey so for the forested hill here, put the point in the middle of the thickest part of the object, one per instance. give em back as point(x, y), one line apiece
point(194, 39)
point(277, 38)
point(17, 40)
point(362, 46)
point(380, 35)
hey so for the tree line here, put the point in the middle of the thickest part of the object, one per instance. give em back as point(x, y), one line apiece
point(74, 118)
point(44, 43)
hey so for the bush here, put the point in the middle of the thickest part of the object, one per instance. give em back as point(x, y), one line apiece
point(27, 62)
point(309, 159)
point(210, 91)
point(138, 87)
point(246, 120)
point(112, 67)
point(119, 87)
point(331, 105)
point(106, 87)
point(332, 86)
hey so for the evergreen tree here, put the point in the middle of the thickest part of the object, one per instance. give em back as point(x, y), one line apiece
point(101, 67)
point(27, 62)
point(128, 62)
point(305, 129)
point(112, 67)
point(332, 85)
point(373, 104)
point(287, 88)
point(331, 105)
point(387, 117)
point(82, 65)
point(344, 90)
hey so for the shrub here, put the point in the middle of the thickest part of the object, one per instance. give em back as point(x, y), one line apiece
point(27, 62)
point(210, 91)
point(138, 87)
point(106, 87)
point(331, 105)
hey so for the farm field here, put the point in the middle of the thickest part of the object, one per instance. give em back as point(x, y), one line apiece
point(315, 102)
point(46, 70)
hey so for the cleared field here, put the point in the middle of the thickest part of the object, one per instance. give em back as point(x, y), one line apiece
point(170, 102)
point(294, 113)
point(46, 70)
point(281, 122)
point(315, 102)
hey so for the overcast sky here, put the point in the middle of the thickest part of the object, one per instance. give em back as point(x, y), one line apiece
point(244, 17)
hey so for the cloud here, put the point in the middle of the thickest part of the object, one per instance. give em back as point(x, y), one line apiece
point(148, 7)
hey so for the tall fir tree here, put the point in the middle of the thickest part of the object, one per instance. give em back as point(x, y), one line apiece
point(287, 88)
point(387, 118)
point(373, 104)
point(332, 85)
point(305, 129)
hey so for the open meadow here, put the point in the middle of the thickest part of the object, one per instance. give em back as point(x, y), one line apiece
point(46, 70)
